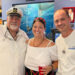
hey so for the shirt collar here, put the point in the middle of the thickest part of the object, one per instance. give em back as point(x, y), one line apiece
point(7, 33)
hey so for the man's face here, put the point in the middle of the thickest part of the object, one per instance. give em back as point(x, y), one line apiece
point(13, 23)
point(61, 21)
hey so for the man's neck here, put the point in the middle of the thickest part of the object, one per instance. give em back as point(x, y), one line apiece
point(67, 33)
point(13, 34)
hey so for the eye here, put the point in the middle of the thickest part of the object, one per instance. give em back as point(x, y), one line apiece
point(40, 27)
point(14, 17)
point(17, 18)
point(62, 19)
point(56, 21)
point(35, 26)
point(11, 17)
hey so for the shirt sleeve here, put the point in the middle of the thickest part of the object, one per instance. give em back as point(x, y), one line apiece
point(54, 53)
point(25, 36)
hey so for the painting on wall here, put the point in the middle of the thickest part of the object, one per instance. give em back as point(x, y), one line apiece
point(71, 11)
point(32, 10)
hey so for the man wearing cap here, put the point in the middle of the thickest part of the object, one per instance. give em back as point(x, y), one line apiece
point(12, 44)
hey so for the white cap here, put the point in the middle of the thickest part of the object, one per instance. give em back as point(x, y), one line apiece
point(13, 11)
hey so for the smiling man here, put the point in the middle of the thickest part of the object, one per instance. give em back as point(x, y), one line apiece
point(12, 44)
point(65, 43)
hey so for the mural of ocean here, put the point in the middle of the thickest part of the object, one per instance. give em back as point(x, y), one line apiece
point(30, 11)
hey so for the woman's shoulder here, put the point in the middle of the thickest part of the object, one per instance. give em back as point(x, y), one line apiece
point(29, 41)
point(50, 43)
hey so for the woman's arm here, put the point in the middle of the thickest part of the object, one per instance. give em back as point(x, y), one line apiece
point(49, 68)
point(54, 65)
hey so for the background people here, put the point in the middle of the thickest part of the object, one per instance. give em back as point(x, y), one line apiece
point(65, 43)
point(40, 51)
point(12, 44)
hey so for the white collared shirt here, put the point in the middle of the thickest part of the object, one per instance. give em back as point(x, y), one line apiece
point(12, 52)
point(66, 54)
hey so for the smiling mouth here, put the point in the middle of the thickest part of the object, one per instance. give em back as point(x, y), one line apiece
point(37, 32)
point(61, 26)
point(13, 26)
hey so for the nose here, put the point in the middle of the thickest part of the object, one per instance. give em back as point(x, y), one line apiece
point(59, 23)
point(37, 29)
point(14, 19)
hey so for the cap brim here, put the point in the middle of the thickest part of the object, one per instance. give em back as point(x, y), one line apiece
point(14, 14)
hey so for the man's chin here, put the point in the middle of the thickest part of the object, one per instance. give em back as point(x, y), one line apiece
point(60, 30)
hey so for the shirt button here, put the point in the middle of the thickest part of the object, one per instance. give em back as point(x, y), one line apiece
point(63, 51)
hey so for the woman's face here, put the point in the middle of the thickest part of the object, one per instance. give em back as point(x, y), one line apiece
point(38, 29)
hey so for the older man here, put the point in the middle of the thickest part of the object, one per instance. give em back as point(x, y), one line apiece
point(65, 43)
point(12, 44)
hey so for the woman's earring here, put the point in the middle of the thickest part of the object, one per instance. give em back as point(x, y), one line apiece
point(44, 32)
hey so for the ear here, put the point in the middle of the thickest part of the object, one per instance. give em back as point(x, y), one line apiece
point(70, 19)
point(45, 29)
point(7, 18)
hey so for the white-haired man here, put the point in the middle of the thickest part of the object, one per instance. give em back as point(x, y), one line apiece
point(12, 44)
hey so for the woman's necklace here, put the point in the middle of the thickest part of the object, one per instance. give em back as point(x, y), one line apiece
point(37, 43)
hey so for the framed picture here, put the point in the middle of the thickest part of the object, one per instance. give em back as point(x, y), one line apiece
point(44, 9)
point(71, 11)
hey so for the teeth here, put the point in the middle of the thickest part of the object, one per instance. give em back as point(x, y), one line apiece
point(37, 32)
point(13, 26)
